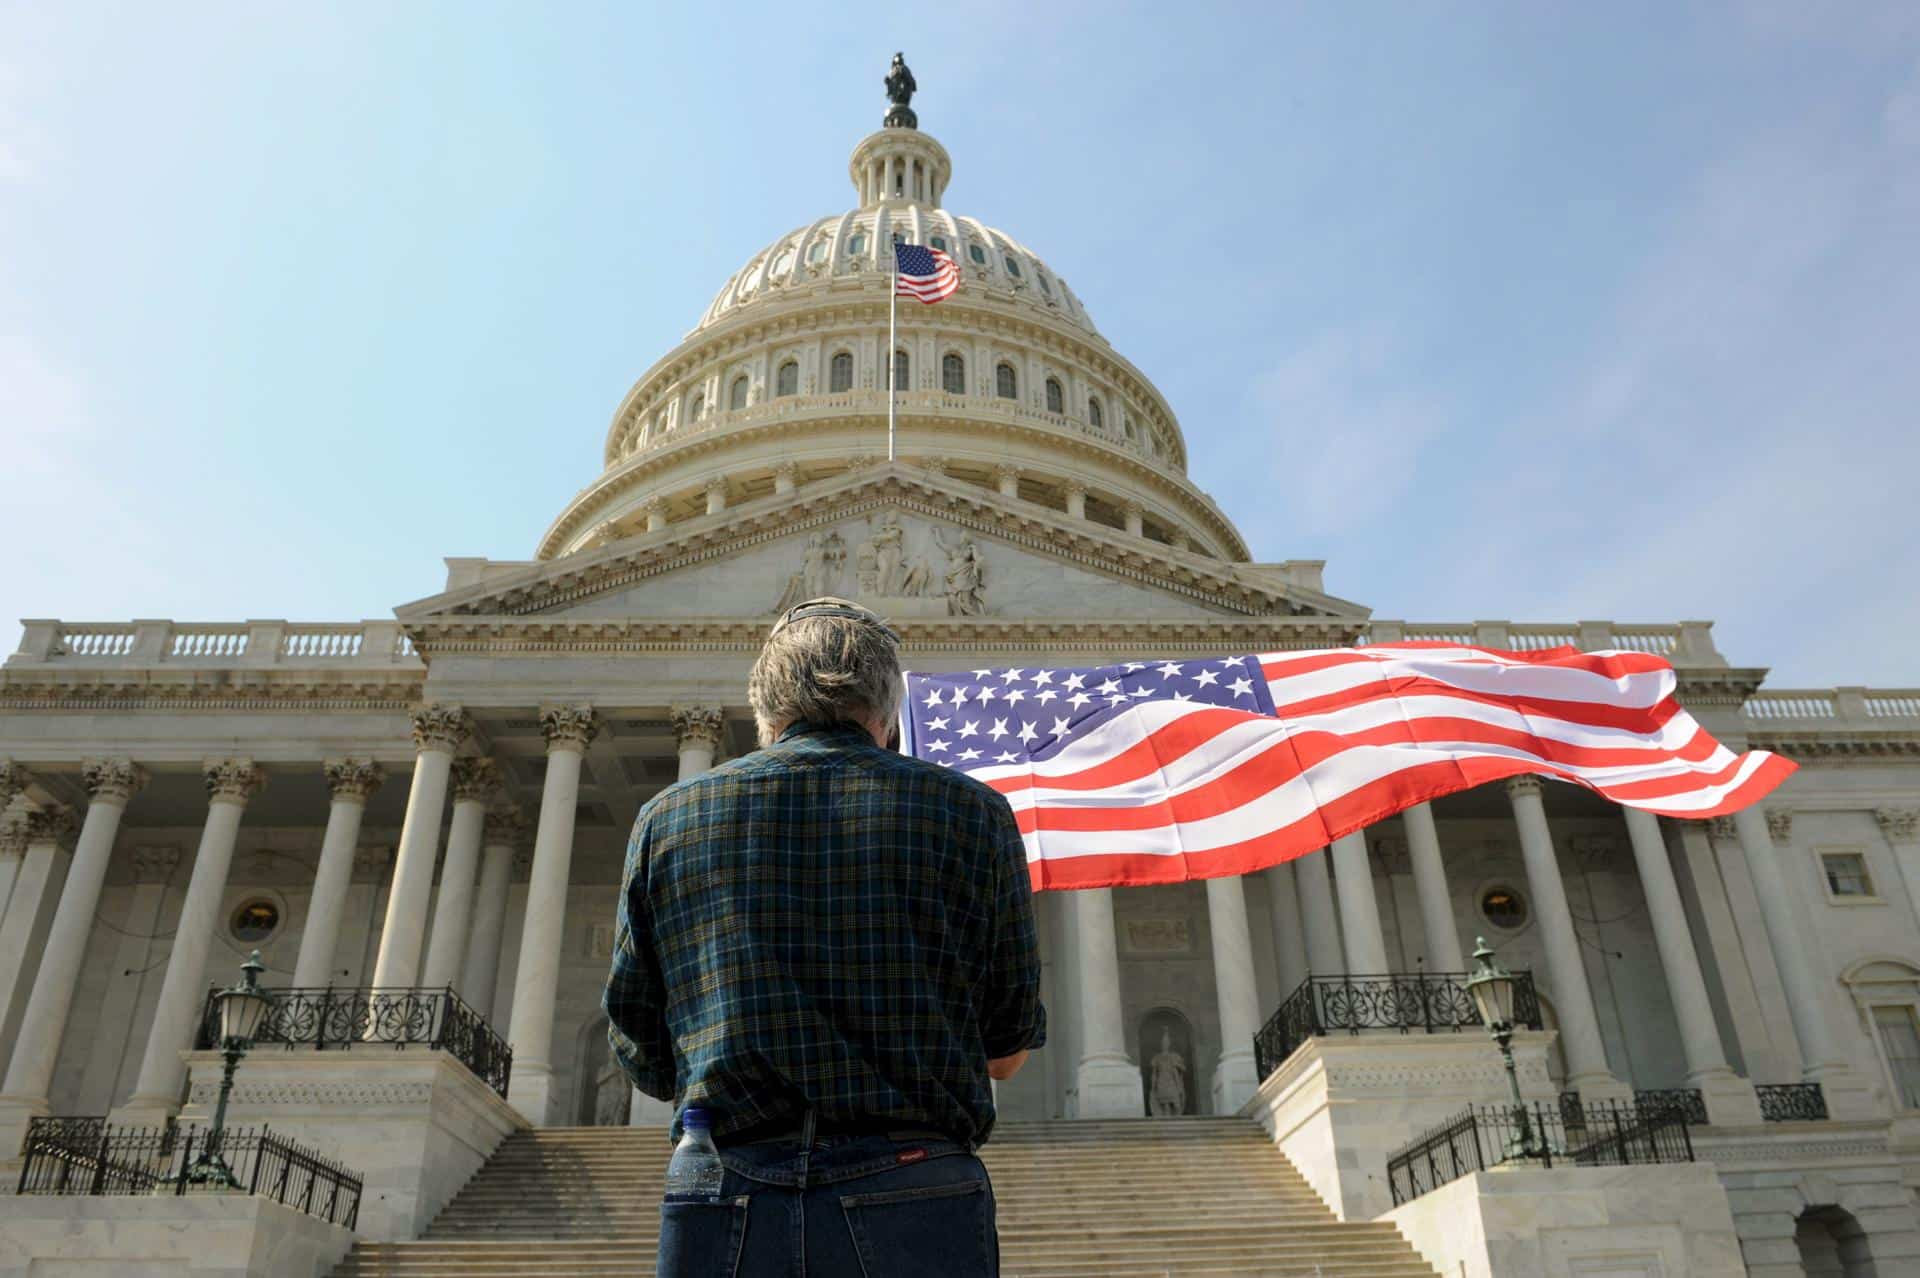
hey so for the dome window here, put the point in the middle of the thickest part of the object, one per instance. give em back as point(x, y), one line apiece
point(1013, 267)
point(787, 380)
point(857, 245)
point(1005, 385)
point(1126, 424)
point(1056, 397)
point(817, 253)
point(696, 407)
point(737, 394)
point(1095, 417)
point(939, 242)
point(902, 372)
point(1044, 286)
point(840, 372)
point(784, 263)
point(978, 254)
point(953, 375)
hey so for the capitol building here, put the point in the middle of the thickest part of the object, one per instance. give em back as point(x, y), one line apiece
point(419, 823)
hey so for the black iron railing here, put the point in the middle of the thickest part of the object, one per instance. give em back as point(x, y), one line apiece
point(1609, 1134)
point(1688, 1100)
point(334, 1018)
point(1792, 1102)
point(1406, 1001)
point(87, 1157)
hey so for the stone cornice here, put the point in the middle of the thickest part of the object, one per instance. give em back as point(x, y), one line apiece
point(640, 636)
point(175, 690)
point(1836, 746)
point(985, 420)
point(1718, 687)
point(554, 584)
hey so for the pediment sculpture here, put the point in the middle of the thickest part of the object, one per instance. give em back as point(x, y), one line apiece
point(942, 575)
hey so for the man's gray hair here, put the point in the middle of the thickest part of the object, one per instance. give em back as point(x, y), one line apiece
point(824, 669)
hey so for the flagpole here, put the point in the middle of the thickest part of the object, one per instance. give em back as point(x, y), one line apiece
point(893, 308)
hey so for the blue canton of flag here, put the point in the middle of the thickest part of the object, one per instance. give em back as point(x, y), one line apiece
point(987, 719)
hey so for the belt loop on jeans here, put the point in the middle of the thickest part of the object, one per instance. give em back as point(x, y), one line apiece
point(806, 1144)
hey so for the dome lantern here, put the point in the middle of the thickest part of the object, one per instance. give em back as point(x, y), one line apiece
point(899, 164)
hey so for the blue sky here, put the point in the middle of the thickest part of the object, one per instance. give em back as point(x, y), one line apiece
point(1513, 310)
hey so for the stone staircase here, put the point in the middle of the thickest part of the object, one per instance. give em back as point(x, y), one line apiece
point(1174, 1198)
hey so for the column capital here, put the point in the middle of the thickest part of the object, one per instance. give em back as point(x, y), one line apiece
point(1071, 487)
point(1524, 784)
point(1132, 507)
point(523, 865)
point(696, 725)
point(13, 779)
point(1900, 825)
point(654, 505)
point(1721, 827)
point(112, 780)
point(716, 484)
point(505, 824)
point(788, 468)
point(353, 778)
point(13, 834)
point(50, 824)
point(440, 727)
point(475, 780)
point(234, 780)
point(1780, 824)
point(1006, 471)
point(154, 865)
point(569, 727)
point(935, 464)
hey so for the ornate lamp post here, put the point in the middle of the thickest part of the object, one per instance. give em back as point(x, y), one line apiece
point(242, 1008)
point(1492, 989)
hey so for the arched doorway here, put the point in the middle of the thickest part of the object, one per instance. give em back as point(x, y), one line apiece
point(601, 1093)
point(1832, 1244)
point(1165, 1047)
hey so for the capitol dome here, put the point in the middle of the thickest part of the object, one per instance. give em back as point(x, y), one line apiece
point(1007, 385)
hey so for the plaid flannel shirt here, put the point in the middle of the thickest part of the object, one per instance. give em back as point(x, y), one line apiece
point(825, 923)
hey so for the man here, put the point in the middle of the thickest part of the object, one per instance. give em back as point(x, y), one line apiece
point(830, 947)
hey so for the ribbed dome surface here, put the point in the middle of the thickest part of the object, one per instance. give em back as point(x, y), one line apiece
point(842, 249)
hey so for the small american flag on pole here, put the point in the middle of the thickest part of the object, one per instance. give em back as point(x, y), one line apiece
point(1164, 771)
point(925, 273)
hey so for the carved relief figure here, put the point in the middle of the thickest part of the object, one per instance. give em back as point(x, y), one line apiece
point(866, 569)
point(890, 553)
point(820, 566)
point(1169, 1073)
point(966, 578)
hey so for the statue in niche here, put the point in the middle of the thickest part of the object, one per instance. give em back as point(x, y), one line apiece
point(821, 564)
point(1169, 1079)
point(966, 578)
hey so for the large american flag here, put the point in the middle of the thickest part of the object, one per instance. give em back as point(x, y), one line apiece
point(925, 273)
point(1164, 771)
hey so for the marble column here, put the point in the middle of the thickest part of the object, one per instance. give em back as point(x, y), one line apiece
point(1808, 993)
point(697, 731)
point(13, 780)
point(110, 783)
point(141, 934)
point(500, 838)
point(1289, 941)
point(1108, 1080)
point(475, 783)
point(1730, 1099)
point(156, 1093)
point(1359, 910)
point(1134, 514)
point(1076, 498)
point(786, 477)
point(1587, 1070)
point(1901, 826)
point(349, 782)
point(39, 834)
point(1235, 1078)
point(1007, 479)
point(568, 730)
point(438, 731)
point(1324, 954)
point(716, 495)
point(1443, 951)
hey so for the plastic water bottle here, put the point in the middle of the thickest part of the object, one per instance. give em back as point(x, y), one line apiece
point(695, 1171)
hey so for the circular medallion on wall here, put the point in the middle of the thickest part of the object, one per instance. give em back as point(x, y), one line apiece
point(1504, 907)
point(255, 921)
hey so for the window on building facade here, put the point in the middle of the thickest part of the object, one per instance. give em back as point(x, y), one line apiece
point(902, 372)
point(817, 252)
point(1503, 907)
point(787, 380)
point(1095, 417)
point(939, 242)
point(840, 372)
point(1847, 875)
point(978, 254)
point(1056, 397)
point(696, 407)
point(1900, 1037)
point(737, 393)
point(858, 244)
point(783, 263)
point(953, 375)
point(1004, 383)
point(1013, 267)
point(255, 921)
point(1044, 286)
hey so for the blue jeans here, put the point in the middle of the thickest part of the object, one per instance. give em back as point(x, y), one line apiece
point(850, 1207)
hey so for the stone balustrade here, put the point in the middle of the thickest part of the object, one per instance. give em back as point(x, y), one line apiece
point(1688, 643)
point(1835, 707)
point(219, 644)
